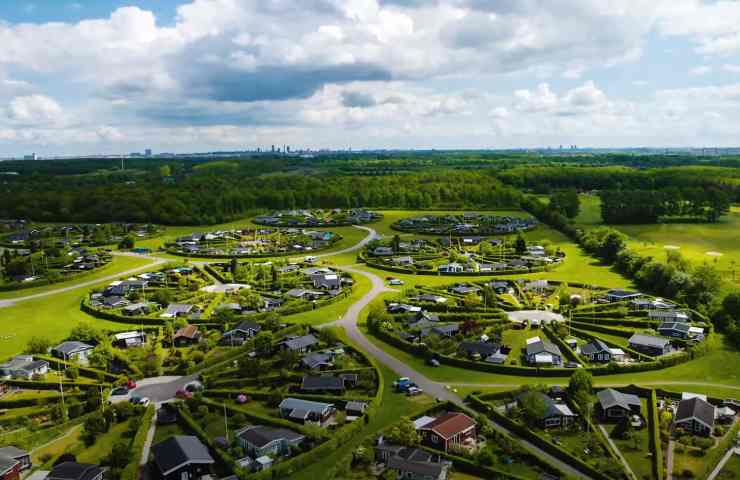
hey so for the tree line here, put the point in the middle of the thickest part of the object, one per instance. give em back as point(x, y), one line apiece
point(650, 206)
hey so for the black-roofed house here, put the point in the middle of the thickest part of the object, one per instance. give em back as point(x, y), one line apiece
point(182, 457)
point(75, 471)
point(299, 344)
point(322, 383)
point(73, 351)
point(317, 361)
point(239, 334)
point(411, 463)
point(618, 295)
point(478, 350)
point(649, 344)
point(258, 441)
point(596, 351)
point(543, 352)
point(355, 408)
point(23, 457)
point(615, 405)
point(555, 414)
point(695, 415)
point(446, 330)
point(675, 329)
point(306, 411)
point(24, 366)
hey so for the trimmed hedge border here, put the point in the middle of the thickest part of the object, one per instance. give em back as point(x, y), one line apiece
point(655, 436)
point(84, 371)
point(177, 253)
point(131, 471)
point(537, 440)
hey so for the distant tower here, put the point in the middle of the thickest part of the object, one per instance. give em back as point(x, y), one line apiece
point(273, 149)
point(148, 152)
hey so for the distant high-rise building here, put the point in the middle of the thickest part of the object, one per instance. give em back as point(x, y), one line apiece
point(148, 152)
point(287, 149)
point(30, 157)
point(273, 149)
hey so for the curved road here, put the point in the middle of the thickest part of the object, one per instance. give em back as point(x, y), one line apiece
point(435, 389)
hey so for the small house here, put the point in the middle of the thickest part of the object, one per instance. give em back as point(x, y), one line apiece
point(596, 351)
point(306, 411)
point(23, 457)
point(614, 405)
point(669, 316)
point(258, 441)
point(187, 336)
point(543, 352)
point(73, 351)
point(24, 366)
point(452, 430)
point(182, 456)
point(317, 361)
point(244, 330)
point(75, 471)
point(555, 414)
point(675, 329)
point(695, 415)
point(619, 295)
point(649, 344)
point(299, 344)
point(129, 339)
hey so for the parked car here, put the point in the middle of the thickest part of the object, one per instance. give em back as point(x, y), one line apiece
point(131, 383)
point(433, 362)
point(144, 401)
point(395, 281)
point(413, 391)
point(194, 386)
point(119, 394)
point(183, 394)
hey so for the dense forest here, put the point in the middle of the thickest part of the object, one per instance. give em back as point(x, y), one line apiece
point(674, 203)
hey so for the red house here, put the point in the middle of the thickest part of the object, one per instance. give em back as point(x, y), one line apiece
point(451, 430)
point(10, 469)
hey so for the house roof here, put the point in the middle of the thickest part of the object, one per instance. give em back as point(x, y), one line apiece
point(595, 346)
point(301, 342)
point(484, 349)
point(450, 424)
point(74, 471)
point(180, 450)
point(446, 329)
point(127, 335)
point(305, 405)
point(176, 308)
point(188, 331)
point(260, 436)
point(649, 341)
point(314, 360)
point(6, 464)
point(696, 408)
point(609, 398)
point(72, 346)
point(419, 468)
point(322, 382)
point(540, 346)
point(246, 326)
point(677, 326)
point(355, 405)
point(13, 452)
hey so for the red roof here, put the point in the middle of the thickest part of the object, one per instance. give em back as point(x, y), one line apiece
point(450, 424)
point(190, 331)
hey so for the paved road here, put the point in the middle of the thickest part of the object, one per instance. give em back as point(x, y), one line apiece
point(669, 460)
point(161, 389)
point(155, 261)
point(371, 235)
point(435, 389)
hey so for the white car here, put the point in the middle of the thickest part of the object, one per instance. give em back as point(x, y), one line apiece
point(395, 281)
point(144, 402)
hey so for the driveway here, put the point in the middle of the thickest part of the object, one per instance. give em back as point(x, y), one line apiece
point(542, 315)
point(161, 389)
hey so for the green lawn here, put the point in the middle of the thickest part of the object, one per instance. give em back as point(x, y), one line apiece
point(334, 311)
point(52, 317)
point(731, 470)
point(517, 340)
point(118, 264)
point(61, 445)
point(103, 445)
point(163, 432)
point(635, 450)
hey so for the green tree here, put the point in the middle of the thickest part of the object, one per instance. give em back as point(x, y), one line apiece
point(404, 433)
point(581, 383)
point(263, 343)
point(566, 202)
point(38, 345)
point(127, 243)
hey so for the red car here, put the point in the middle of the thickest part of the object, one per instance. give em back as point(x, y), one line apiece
point(184, 394)
point(131, 384)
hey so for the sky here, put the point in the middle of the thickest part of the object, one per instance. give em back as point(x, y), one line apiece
point(109, 76)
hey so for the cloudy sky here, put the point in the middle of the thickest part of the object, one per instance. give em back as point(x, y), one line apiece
point(112, 76)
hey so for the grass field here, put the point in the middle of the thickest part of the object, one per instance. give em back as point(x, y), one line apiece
point(52, 317)
point(731, 470)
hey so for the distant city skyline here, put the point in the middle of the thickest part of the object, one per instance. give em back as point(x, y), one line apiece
point(220, 75)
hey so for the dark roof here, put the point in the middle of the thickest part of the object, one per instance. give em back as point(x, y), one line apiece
point(246, 326)
point(696, 408)
point(420, 468)
point(259, 436)
point(594, 346)
point(74, 471)
point(609, 398)
point(678, 326)
point(180, 450)
point(484, 349)
point(649, 341)
point(71, 347)
point(446, 329)
point(300, 342)
point(322, 382)
point(13, 452)
point(313, 360)
point(543, 346)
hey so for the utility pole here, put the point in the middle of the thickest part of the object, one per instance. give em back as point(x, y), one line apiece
point(226, 425)
point(61, 391)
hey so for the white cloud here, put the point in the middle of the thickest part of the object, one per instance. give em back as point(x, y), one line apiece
point(731, 68)
point(701, 70)
point(34, 109)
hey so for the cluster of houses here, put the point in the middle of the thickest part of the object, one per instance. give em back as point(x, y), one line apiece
point(317, 218)
point(465, 224)
point(15, 463)
point(253, 242)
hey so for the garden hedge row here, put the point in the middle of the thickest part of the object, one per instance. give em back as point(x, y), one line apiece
point(654, 438)
point(173, 251)
point(409, 271)
point(35, 385)
point(88, 372)
point(537, 440)
point(614, 321)
point(564, 347)
point(32, 402)
point(131, 471)
point(233, 393)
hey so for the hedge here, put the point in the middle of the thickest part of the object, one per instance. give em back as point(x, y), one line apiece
point(173, 251)
point(545, 445)
point(715, 454)
point(614, 321)
point(131, 471)
point(222, 455)
point(233, 393)
point(602, 329)
point(564, 347)
point(468, 466)
point(34, 385)
point(32, 402)
point(654, 439)
point(88, 372)
point(409, 271)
